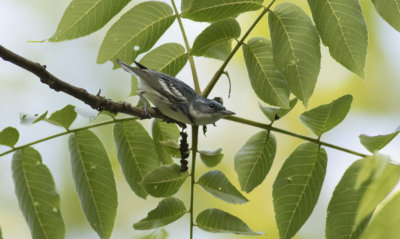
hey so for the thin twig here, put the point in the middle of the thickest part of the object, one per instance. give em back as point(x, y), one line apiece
point(221, 70)
point(188, 49)
point(309, 139)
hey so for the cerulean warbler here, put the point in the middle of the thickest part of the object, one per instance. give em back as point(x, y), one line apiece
point(174, 98)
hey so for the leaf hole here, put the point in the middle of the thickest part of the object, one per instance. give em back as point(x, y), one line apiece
point(136, 48)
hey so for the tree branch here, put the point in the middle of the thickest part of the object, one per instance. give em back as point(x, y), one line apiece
point(97, 102)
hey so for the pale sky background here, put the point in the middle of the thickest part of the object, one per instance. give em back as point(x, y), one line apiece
point(375, 111)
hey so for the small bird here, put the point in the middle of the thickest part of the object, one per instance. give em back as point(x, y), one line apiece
point(174, 98)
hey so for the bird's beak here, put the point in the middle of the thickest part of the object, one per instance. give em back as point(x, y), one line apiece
point(227, 112)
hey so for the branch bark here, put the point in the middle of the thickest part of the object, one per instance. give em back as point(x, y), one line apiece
point(97, 101)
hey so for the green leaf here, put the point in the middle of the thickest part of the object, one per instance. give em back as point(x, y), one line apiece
point(376, 143)
point(296, 48)
point(253, 161)
point(63, 117)
point(163, 131)
point(217, 33)
point(211, 157)
point(9, 136)
point(167, 211)
point(390, 11)
point(209, 11)
point(83, 17)
point(1, 234)
point(218, 185)
point(94, 181)
point(267, 82)
point(220, 51)
point(325, 117)
point(215, 220)
point(342, 28)
point(380, 187)
point(297, 187)
point(386, 222)
point(158, 234)
point(136, 153)
point(344, 204)
point(169, 58)
point(171, 147)
point(136, 32)
point(164, 181)
point(37, 195)
point(275, 113)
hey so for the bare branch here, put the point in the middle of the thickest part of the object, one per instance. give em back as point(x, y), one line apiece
point(97, 102)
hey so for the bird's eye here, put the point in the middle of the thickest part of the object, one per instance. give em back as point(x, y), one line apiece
point(211, 105)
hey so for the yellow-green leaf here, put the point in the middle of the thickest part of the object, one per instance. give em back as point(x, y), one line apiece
point(169, 58)
point(386, 222)
point(63, 117)
point(9, 136)
point(376, 143)
point(217, 33)
point(209, 11)
point(136, 32)
point(275, 113)
point(83, 17)
point(325, 117)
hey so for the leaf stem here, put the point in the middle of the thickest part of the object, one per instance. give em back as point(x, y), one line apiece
point(221, 69)
point(65, 133)
point(188, 49)
point(195, 134)
point(312, 140)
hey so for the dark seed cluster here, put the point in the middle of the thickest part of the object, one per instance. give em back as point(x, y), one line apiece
point(184, 149)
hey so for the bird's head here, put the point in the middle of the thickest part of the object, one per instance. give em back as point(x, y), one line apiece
point(206, 111)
